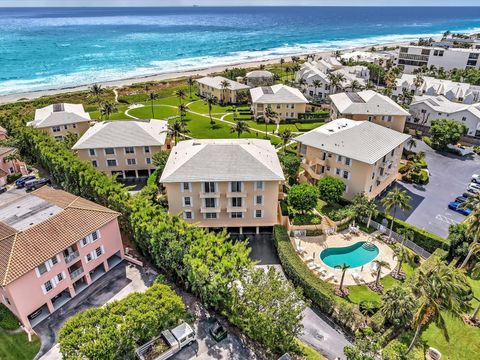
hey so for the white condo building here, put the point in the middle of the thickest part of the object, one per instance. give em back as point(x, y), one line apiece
point(414, 57)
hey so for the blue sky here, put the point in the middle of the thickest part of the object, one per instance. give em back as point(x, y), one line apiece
point(41, 3)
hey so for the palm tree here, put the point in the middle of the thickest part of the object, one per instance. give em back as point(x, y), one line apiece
point(96, 90)
point(190, 83)
point(380, 264)
point(407, 234)
point(411, 144)
point(418, 81)
point(372, 210)
point(182, 110)
point(176, 129)
point(439, 289)
point(473, 229)
point(240, 127)
point(403, 255)
point(398, 305)
point(224, 85)
point(473, 249)
point(210, 101)
point(476, 273)
point(355, 85)
point(180, 95)
point(316, 84)
point(269, 115)
point(282, 61)
point(286, 135)
point(152, 97)
point(396, 199)
point(343, 268)
point(337, 54)
point(287, 71)
point(106, 109)
point(302, 83)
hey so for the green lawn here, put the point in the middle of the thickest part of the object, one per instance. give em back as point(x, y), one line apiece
point(201, 107)
point(160, 112)
point(17, 346)
point(261, 127)
point(119, 115)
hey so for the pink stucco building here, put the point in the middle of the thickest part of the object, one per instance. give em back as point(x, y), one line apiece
point(8, 164)
point(53, 245)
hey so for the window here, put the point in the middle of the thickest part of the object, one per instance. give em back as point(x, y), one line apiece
point(109, 151)
point(187, 215)
point(236, 186)
point(346, 174)
point(84, 242)
point(186, 186)
point(237, 202)
point(60, 277)
point(94, 163)
point(146, 149)
point(55, 128)
point(131, 161)
point(94, 235)
point(129, 150)
point(370, 118)
point(338, 171)
point(348, 161)
point(236, 215)
point(384, 158)
point(5, 300)
point(373, 175)
point(89, 257)
point(98, 251)
point(112, 162)
point(74, 126)
point(65, 127)
point(47, 286)
point(339, 158)
point(259, 185)
point(210, 202)
point(387, 118)
point(259, 200)
point(42, 269)
point(209, 187)
point(92, 152)
point(464, 118)
point(392, 152)
point(370, 190)
point(210, 215)
point(258, 214)
point(148, 161)
point(187, 201)
point(54, 260)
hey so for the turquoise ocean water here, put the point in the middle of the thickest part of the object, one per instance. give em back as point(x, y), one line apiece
point(44, 48)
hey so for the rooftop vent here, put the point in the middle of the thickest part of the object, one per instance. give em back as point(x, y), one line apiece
point(354, 97)
point(58, 107)
point(267, 90)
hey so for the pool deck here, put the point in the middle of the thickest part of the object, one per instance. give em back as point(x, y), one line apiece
point(314, 245)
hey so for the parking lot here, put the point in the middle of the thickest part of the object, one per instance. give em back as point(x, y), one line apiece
point(449, 177)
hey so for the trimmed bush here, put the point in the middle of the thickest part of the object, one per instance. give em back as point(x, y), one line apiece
point(422, 238)
point(8, 321)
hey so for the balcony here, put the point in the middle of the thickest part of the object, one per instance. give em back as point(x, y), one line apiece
point(204, 195)
point(231, 209)
point(76, 273)
point(310, 171)
point(241, 194)
point(204, 209)
point(71, 256)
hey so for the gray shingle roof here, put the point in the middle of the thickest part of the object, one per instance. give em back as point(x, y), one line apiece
point(222, 160)
point(372, 103)
point(216, 82)
point(277, 94)
point(359, 140)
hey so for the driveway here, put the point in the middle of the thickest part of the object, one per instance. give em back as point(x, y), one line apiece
point(116, 284)
point(449, 178)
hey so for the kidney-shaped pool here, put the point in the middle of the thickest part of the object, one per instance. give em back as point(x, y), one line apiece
point(355, 255)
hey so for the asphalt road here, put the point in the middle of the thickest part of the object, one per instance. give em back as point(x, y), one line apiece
point(449, 178)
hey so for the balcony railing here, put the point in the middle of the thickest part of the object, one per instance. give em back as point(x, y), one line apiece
point(76, 273)
point(72, 256)
point(204, 195)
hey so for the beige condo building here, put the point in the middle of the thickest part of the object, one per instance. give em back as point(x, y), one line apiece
point(124, 147)
point(365, 156)
point(213, 87)
point(370, 106)
point(60, 119)
point(287, 102)
point(227, 183)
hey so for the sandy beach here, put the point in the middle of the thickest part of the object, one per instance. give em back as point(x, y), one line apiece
point(10, 98)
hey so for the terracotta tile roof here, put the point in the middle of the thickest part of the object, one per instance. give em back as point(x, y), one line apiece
point(22, 251)
point(3, 173)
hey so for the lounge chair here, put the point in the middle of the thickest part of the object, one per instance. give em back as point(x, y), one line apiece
point(356, 277)
point(329, 277)
point(312, 266)
point(307, 258)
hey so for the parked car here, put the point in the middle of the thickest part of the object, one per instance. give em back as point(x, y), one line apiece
point(36, 184)
point(475, 188)
point(2, 189)
point(217, 331)
point(20, 183)
point(460, 199)
point(455, 206)
point(468, 194)
point(476, 178)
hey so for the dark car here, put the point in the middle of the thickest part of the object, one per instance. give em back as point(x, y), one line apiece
point(3, 189)
point(36, 184)
point(217, 331)
point(468, 194)
point(455, 206)
point(20, 183)
point(460, 199)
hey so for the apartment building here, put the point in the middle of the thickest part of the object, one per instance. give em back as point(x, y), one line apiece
point(54, 245)
point(124, 147)
point(452, 90)
point(3, 133)
point(369, 105)
point(287, 102)
point(364, 155)
point(220, 88)
point(411, 58)
point(425, 109)
point(60, 119)
point(226, 183)
point(10, 165)
point(260, 78)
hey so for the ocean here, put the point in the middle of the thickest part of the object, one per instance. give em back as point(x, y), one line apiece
point(49, 48)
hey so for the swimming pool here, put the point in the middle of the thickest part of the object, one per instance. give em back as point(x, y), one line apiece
point(355, 255)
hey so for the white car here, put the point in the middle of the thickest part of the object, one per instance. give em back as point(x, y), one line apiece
point(476, 178)
point(474, 187)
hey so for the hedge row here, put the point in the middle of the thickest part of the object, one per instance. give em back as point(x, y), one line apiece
point(422, 238)
point(8, 321)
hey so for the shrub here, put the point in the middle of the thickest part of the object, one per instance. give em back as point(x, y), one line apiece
point(12, 178)
point(445, 132)
point(303, 197)
point(340, 213)
point(427, 140)
point(476, 149)
point(8, 321)
point(331, 189)
point(368, 307)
